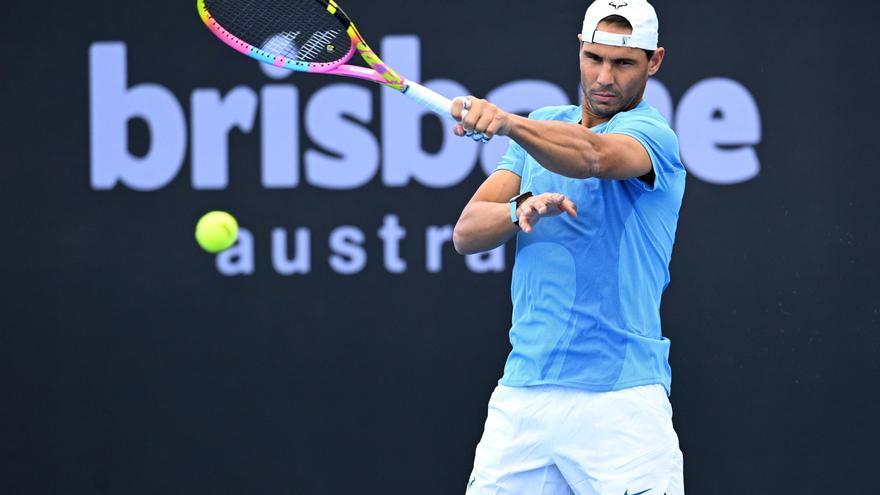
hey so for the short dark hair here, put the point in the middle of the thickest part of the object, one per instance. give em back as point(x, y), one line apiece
point(619, 20)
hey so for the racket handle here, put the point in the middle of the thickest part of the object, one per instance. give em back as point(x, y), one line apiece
point(435, 102)
point(430, 99)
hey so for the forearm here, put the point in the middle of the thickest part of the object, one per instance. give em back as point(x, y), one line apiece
point(564, 148)
point(484, 225)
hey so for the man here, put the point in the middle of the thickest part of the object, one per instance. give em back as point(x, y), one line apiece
point(592, 194)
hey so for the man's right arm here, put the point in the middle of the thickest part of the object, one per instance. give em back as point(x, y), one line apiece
point(485, 222)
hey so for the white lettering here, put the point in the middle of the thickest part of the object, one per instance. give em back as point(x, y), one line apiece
point(435, 238)
point(213, 117)
point(279, 115)
point(404, 159)
point(239, 259)
point(302, 260)
point(112, 105)
point(658, 97)
point(391, 233)
point(328, 127)
point(717, 120)
point(718, 124)
point(349, 255)
point(490, 261)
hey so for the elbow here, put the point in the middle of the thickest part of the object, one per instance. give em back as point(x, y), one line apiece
point(458, 240)
point(592, 168)
point(591, 161)
point(461, 241)
point(590, 165)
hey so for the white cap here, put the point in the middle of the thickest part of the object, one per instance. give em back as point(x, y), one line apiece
point(639, 13)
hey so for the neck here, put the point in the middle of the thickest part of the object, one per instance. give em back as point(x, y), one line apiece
point(590, 119)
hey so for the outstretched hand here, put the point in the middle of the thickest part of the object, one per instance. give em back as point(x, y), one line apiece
point(533, 209)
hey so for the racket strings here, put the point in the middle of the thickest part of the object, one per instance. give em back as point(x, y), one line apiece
point(296, 29)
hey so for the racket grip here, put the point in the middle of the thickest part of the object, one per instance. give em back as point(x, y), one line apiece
point(435, 102)
point(430, 99)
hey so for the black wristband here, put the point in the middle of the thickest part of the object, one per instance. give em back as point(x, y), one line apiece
point(522, 198)
point(515, 203)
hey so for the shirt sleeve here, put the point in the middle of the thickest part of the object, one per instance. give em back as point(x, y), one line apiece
point(661, 144)
point(513, 160)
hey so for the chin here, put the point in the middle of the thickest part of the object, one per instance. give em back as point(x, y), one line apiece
point(604, 110)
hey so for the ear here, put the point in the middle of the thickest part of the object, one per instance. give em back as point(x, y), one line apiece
point(656, 61)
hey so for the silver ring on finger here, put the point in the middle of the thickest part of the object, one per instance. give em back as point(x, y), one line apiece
point(467, 102)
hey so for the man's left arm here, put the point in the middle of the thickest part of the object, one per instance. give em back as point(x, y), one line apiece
point(565, 148)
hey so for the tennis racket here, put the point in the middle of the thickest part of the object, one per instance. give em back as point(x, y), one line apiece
point(309, 36)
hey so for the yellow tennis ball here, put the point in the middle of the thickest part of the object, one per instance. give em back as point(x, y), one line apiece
point(216, 231)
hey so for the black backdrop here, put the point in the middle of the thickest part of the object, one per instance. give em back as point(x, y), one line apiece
point(130, 365)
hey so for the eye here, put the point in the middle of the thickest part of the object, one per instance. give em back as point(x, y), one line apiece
point(592, 56)
point(625, 62)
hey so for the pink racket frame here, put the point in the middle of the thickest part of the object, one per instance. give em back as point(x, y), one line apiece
point(379, 72)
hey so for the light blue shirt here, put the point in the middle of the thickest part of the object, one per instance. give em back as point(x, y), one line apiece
point(586, 291)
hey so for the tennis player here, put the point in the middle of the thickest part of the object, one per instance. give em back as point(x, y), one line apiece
point(592, 194)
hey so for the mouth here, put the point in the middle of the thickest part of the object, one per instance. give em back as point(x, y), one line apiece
point(603, 97)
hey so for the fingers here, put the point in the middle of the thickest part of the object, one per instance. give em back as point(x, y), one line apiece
point(563, 204)
point(533, 206)
point(483, 123)
point(555, 199)
point(543, 205)
point(529, 213)
point(480, 119)
point(540, 207)
point(548, 204)
point(474, 109)
point(526, 220)
point(569, 207)
point(458, 104)
point(524, 224)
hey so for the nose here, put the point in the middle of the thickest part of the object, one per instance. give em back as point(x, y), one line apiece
point(606, 75)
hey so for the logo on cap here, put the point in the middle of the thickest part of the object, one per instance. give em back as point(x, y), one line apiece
point(617, 6)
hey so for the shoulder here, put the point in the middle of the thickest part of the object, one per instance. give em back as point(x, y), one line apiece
point(570, 113)
point(643, 115)
point(646, 120)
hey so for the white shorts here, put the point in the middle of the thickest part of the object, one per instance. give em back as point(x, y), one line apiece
point(549, 440)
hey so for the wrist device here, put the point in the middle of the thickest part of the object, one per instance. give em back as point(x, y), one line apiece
point(514, 204)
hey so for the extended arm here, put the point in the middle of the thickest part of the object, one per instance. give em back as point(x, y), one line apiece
point(565, 148)
point(574, 151)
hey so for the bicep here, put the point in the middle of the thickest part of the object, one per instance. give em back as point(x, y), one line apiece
point(622, 157)
point(498, 187)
